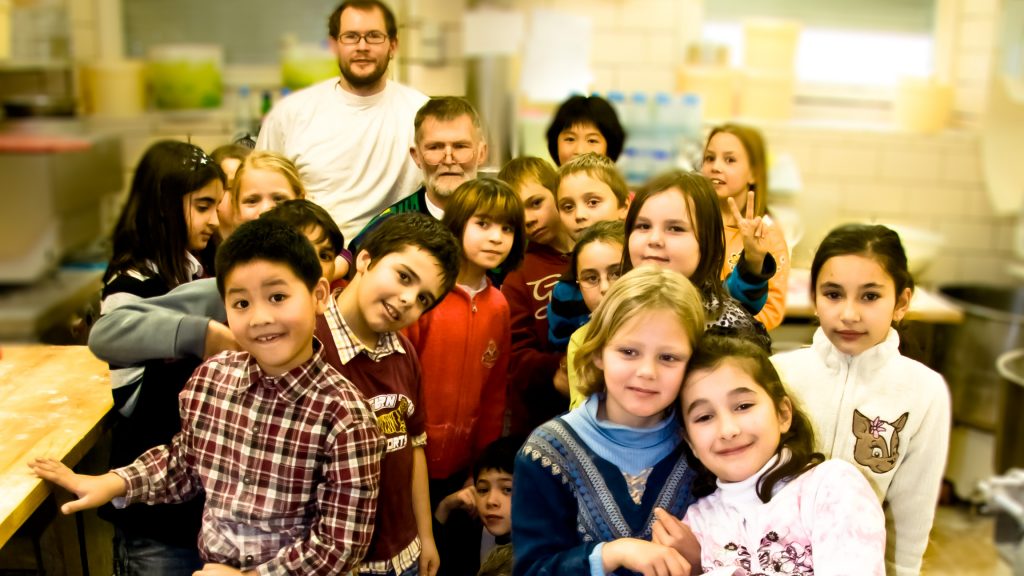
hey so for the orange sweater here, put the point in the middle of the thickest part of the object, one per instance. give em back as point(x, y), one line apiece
point(775, 308)
point(464, 346)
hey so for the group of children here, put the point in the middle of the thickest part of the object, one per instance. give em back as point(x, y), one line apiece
point(318, 420)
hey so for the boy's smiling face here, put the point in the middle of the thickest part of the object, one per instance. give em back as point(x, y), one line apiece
point(272, 313)
point(391, 292)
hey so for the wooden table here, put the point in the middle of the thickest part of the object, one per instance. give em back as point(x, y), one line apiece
point(53, 401)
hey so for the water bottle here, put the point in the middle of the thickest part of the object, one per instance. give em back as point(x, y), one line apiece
point(244, 117)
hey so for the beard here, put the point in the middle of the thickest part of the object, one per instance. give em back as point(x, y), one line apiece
point(369, 79)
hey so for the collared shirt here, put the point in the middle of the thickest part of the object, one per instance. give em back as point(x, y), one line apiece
point(349, 345)
point(290, 466)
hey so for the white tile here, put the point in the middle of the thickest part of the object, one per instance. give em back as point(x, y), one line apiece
point(619, 48)
point(645, 78)
point(663, 49)
point(842, 161)
point(648, 14)
point(964, 234)
point(879, 199)
point(962, 167)
point(975, 201)
point(909, 165)
point(602, 13)
point(935, 200)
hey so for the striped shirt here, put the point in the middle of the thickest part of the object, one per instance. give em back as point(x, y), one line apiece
point(290, 466)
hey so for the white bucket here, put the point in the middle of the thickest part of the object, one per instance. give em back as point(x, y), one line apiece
point(922, 105)
point(770, 44)
point(115, 89)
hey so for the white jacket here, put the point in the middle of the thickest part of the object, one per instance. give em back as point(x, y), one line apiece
point(889, 416)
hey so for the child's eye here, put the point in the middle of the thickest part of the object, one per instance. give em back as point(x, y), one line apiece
point(240, 304)
point(744, 406)
point(594, 141)
point(536, 204)
point(506, 229)
point(614, 273)
point(593, 202)
point(424, 300)
point(590, 279)
point(642, 226)
point(278, 298)
point(677, 229)
point(566, 207)
point(250, 200)
point(403, 277)
point(628, 352)
point(832, 295)
point(279, 198)
point(709, 159)
point(507, 491)
point(328, 256)
point(701, 418)
point(669, 358)
point(871, 296)
point(568, 139)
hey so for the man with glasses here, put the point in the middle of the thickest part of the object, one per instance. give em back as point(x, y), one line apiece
point(350, 135)
point(449, 148)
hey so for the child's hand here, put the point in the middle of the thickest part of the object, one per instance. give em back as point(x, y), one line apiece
point(561, 379)
point(218, 339)
point(92, 491)
point(430, 560)
point(755, 236)
point(645, 557)
point(670, 531)
point(219, 570)
point(464, 499)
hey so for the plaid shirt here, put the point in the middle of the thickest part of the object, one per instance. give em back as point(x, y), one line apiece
point(290, 466)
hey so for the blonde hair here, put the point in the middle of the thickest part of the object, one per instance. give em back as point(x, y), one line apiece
point(267, 160)
point(640, 290)
point(598, 167)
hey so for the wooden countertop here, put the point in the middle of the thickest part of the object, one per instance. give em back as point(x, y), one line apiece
point(926, 306)
point(53, 400)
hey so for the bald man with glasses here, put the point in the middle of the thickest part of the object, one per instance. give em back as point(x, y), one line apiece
point(449, 148)
point(350, 135)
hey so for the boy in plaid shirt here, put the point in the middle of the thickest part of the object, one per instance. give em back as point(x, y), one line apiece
point(285, 448)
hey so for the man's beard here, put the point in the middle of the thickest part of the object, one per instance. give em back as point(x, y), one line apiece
point(363, 81)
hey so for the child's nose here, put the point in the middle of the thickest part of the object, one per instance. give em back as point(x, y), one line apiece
point(849, 311)
point(728, 427)
point(260, 316)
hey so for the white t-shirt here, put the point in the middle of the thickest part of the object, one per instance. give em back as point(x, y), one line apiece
point(352, 151)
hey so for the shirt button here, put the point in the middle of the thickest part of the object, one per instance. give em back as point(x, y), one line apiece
point(256, 429)
point(247, 480)
point(249, 559)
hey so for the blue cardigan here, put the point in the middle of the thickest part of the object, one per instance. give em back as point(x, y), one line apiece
point(567, 500)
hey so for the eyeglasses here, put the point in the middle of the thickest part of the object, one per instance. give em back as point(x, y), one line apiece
point(592, 279)
point(460, 154)
point(371, 37)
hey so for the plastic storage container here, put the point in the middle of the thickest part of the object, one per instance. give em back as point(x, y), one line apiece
point(185, 76)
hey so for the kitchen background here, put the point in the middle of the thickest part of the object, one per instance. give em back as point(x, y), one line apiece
point(853, 159)
point(913, 117)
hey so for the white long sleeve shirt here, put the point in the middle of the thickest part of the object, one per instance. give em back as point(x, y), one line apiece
point(890, 417)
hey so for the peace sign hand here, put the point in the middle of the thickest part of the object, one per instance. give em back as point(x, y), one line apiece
point(754, 232)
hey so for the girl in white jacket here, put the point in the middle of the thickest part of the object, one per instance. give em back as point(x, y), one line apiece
point(887, 414)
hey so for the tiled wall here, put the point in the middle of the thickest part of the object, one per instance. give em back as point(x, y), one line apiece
point(931, 183)
point(928, 182)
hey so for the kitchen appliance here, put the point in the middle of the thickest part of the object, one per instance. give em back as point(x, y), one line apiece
point(55, 178)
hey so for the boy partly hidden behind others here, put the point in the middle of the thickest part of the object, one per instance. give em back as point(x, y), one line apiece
point(490, 498)
point(285, 448)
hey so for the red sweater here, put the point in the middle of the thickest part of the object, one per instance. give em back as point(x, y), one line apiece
point(532, 397)
point(463, 346)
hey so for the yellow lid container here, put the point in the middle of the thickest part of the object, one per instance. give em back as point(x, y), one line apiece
point(922, 105)
point(115, 89)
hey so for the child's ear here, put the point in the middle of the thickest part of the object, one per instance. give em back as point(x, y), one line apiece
point(321, 292)
point(363, 260)
point(785, 414)
point(902, 304)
